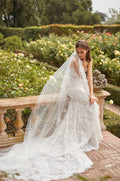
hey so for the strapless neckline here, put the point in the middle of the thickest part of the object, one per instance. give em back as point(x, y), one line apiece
point(82, 65)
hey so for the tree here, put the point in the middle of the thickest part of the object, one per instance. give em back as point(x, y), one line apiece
point(6, 7)
point(102, 15)
point(21, 13)
point(114, 17)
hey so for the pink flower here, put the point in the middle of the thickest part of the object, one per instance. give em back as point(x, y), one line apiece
point(7, 119)
point(82, 31)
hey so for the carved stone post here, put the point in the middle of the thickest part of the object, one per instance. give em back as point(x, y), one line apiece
point(3, 126)
point(101, 96)
point(19, 123)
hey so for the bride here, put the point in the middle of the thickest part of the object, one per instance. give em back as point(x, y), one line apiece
point(63, 125)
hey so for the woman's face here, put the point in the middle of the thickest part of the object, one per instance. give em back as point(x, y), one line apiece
point(81, 53)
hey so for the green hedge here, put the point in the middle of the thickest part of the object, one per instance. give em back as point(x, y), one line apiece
point(12, 31)
point(12, 43)
point(59, 29)
point(1, 38)
point(108, 28)
point(112, 122)
point(115, 93)
point(34, 33)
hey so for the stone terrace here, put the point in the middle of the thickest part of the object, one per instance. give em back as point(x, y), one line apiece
point(106, 160)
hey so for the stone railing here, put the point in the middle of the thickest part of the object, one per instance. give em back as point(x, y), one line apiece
point(20, 103)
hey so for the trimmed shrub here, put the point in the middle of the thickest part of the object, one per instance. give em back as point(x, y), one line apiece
point(108, 28)
point(1, 38)
point(35, 32)
point(12, 31)
point(112, 122)
point(12, 43)
point(115, 93)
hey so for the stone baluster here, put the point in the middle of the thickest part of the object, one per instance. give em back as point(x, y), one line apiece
point(33, 115)
point(19, 123)
point(101, 96)
point(3, 126)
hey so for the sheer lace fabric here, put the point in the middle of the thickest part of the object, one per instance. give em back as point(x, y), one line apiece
point(70, 129)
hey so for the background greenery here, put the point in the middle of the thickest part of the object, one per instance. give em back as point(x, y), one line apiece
point(112, 122)
point(55, 50)
point(22, 13)
point(26, 74)
point(34, 33)
point(104, 49)
point(21, 76)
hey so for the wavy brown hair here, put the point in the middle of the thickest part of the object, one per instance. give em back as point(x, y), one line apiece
point(84, 44)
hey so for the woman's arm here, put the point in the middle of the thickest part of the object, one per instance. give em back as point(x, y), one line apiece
point(92, 98)
point(90, 78)
point(75, 65)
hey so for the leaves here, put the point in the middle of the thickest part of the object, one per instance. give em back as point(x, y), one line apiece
point(21, 76)
point(22, 13)
point(105, 50)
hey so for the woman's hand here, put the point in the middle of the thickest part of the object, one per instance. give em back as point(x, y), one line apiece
point(92, 99)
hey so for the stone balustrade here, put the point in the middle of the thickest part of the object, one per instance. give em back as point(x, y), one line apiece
point(20, 103)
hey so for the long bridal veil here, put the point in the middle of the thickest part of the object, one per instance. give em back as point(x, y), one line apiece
point(61, 127)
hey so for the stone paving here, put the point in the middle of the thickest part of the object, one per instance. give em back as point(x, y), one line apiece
point(106, 160)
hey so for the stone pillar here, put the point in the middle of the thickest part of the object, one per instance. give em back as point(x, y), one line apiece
point(3, 126)
point(101, 96)
point(19, 123)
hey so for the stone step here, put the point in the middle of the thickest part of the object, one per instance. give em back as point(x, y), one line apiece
point(11, 140)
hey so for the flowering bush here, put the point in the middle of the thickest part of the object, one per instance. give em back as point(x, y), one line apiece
point(21, 76)
point(54, 50)
point(105, 49)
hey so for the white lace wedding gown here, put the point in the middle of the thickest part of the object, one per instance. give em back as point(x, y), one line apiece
point(63, 153)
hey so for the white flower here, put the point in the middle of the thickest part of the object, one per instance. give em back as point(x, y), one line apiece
point(31, 55)
point(21, 54)
point(102, 56)
point(111, 101)
point(15, 55)
point(33, 61)
point(116, 52)
point(28, 67)
point(18, 61)
point(27, 44)
point(102, 52)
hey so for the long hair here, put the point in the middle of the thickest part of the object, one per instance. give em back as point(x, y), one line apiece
point(84, 44)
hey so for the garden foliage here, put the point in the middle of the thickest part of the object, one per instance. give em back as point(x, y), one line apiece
point(112, 122)
point(114, 93)
point(12, 43)
point(21, 76)
point(34, 32)
point(105, 50)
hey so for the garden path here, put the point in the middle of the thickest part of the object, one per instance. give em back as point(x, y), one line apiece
point(113, 107)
